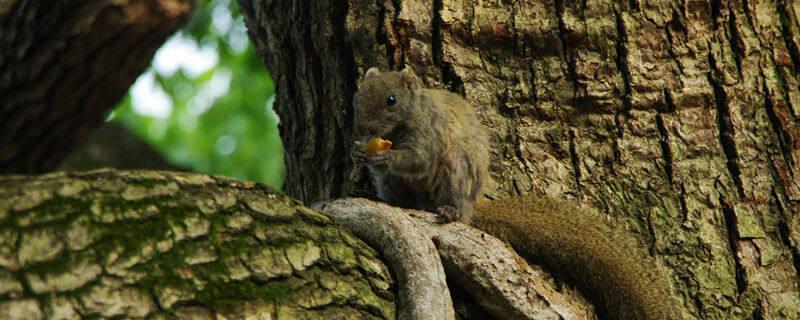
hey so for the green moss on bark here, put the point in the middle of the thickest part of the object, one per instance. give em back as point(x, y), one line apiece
point(224, 246)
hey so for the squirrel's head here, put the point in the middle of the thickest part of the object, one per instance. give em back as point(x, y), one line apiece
point(384, 101)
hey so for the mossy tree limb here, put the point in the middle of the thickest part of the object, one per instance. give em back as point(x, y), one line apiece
point(140, 244)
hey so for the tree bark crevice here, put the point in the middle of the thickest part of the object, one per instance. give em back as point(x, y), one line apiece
point(790, 28)
point(725, 125)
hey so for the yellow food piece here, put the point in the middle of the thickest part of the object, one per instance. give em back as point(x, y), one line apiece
point(376, 145)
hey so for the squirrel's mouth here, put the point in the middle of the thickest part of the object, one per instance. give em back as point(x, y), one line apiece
point(365, 134)
point(395, 132)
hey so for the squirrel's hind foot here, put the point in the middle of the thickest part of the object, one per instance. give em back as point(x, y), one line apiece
point(447, 214)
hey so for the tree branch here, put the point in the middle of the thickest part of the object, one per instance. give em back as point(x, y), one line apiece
point(64, 64)
point(423, 292)
point(154, 245)
point(489, 270)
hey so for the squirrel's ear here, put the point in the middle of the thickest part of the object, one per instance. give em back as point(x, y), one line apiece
point(410, 78)
point(371, 73)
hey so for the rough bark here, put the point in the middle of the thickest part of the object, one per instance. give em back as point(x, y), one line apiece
point(676, 118)
point(312, 67)
point(109, 244)
point(64, 64)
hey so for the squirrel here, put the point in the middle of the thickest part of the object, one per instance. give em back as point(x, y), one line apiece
point(440, 156)
point(439, 163)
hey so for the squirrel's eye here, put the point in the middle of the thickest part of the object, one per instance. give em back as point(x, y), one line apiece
point(391, 100)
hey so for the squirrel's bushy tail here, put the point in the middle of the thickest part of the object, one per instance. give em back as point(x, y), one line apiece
point(581, 249)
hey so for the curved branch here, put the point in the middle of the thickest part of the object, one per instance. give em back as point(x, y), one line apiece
point(423, 292)
point(489, 270)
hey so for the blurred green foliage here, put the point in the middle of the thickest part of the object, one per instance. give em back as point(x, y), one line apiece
point(205, 103)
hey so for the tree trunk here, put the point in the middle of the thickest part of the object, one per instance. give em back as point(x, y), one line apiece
point(678, 119)
point(111, 244)
point(64, 64)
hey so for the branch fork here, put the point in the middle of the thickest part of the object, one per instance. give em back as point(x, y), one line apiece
point(422, 254)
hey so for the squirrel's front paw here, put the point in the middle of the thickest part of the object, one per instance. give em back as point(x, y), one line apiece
point(358, 154)
point(379, 161)
point(447, 214)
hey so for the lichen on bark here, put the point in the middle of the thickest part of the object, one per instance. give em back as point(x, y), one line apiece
point(141, 244)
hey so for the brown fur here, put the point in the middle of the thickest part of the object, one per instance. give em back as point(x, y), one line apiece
point(578, 247)
point(439, 161)
point(440, 153)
